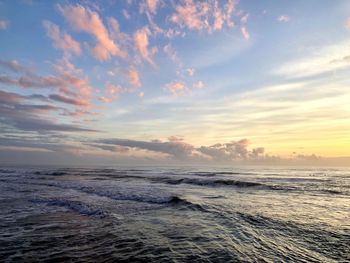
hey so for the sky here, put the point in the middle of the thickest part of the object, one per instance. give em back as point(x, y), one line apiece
point(174, 82)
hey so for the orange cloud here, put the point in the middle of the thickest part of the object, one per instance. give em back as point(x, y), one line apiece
point(141, 41)
point(83, 19)
point(61, 40)
point(134, 77)
point(176, 88)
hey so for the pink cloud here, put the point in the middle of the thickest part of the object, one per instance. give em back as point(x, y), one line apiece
point(134, 77)
point(141, 41)
point(283, 18)
point(151, 6)
point(347, 23)
point(9, 97)
point(3, 24)
point(204, 15)
point(61, 40)
point(105, 99)
point(176, 88)
point(245, 33)
point(192, 15)
point(111, 93)
point(218, 20)
point(199, 84)
point(141, 94)
point(83, 19)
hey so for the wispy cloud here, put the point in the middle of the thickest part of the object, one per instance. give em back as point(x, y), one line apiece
point(61, 40)
point(245, 33)
point(283, 18)
point(324, 59)
point(86, 20)
point(142, 43)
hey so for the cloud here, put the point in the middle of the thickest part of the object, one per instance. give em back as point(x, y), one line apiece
point(68, 100)
point(13, 65)
point(244, 19)
point(198, 85)
point(9, 97)
point(347, 23)
point(283, 18)
point(111, 93)
point(73, 88)
point(204, 15)
point(245, 32)
point(32, 81)
point(176, 88)
point(177, 149)
point(193, 15)
point(149, 6)
point(66, 81)
point(141, 42)
point(3, 24)
point(321, 60)
point(85, 20)
point(61, 40)
point(134, 77)
point(126, 14)
point(235, 150)
point(190, 71)
point(111, 148)
point(16, 113)
point(169, 51)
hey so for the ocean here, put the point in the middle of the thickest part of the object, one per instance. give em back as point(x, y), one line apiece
point(174, 214)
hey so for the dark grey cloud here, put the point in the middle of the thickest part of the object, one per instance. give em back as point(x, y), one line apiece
point(236, 150)
point(68, 100)
point(15, 113)
point(175, 148)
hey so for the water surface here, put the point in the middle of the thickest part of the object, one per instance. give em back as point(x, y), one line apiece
point(162, 214)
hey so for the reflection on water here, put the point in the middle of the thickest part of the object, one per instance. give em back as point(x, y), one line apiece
point(175, 215)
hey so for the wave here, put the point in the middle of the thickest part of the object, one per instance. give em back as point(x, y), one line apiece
point(75, 206)
point(53, 173)
point(7, 171)
point(201, 182)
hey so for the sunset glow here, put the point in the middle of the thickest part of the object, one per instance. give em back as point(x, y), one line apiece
point(185, 81)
